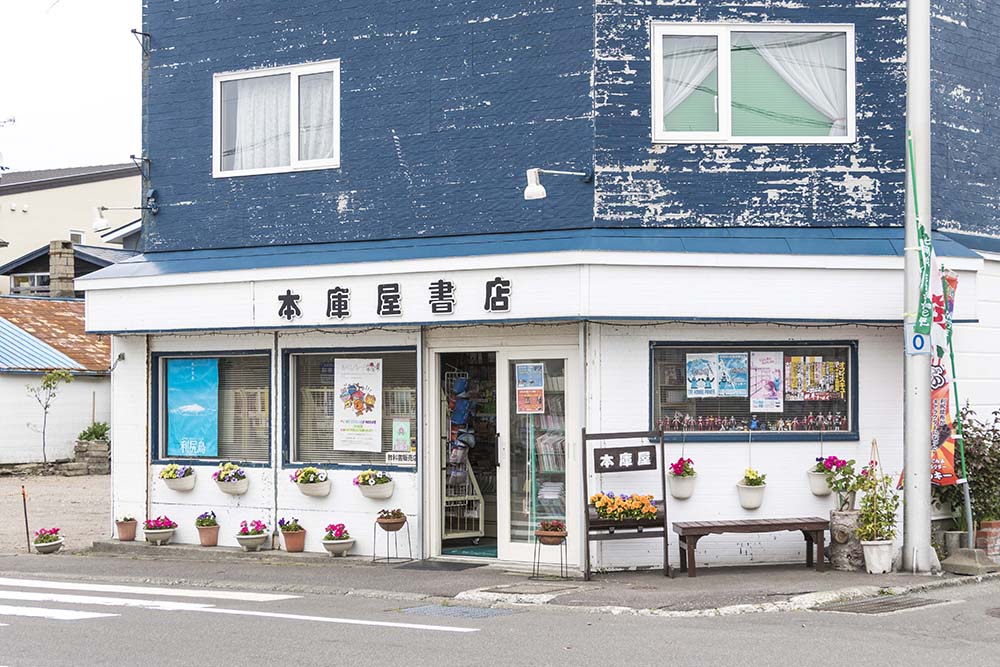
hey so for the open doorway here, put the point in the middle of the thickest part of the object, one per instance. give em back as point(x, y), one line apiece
point(469, 454)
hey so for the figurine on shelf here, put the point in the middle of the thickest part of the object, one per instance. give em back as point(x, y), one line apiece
point(810, 422)
point(843, 421)
point(676, 423)
point(754, 423)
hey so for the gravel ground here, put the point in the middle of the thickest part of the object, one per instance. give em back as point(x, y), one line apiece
point(80, 506)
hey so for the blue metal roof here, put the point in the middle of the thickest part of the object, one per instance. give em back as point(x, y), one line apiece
point(870, 241)
point(976, 241)
point(94, 254)
point(20, 351)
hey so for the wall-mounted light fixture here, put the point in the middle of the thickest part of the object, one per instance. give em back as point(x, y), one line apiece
point(101, 223)
point(535, 189)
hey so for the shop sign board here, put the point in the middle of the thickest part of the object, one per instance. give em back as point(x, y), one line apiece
point(401, 459)
point(358, 422)
point(625, 459)
point(192, 407)
point(530, 388)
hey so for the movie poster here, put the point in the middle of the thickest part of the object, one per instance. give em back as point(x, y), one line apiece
point(702, 375)
point(358, 424)
point(193, 407)
point(766, 381)
point(734, 374)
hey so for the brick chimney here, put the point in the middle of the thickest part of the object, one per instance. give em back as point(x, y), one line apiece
point(61, 269)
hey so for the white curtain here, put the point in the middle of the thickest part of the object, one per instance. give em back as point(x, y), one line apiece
point(813, 64)
point(687, 62)
point(316, 117)
point(256, 112)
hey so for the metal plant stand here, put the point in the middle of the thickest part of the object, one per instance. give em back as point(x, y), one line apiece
point(395, 541)
point(563, 560)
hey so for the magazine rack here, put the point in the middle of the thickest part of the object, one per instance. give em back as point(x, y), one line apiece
point(600, 530)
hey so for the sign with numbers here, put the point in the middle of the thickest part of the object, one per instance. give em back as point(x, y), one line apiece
point(625, 459)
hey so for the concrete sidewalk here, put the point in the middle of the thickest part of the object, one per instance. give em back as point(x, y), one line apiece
point(713, 591)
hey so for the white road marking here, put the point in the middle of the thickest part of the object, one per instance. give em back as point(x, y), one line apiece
point(56, 614)
point(162, 605)
point(344, 621)
point(143, 590)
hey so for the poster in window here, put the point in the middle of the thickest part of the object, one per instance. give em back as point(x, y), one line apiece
point(734, 374)
point(766, 381)
point(193, 407)
point(794, 379)
point(358, 423)
point(530, 388)
point(702, 375)
point(815, 379)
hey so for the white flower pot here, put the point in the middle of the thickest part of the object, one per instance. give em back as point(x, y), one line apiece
point(751, 497)
point(681, 488)
point(316, 489)
point(338, 547)
point(180, 483)
point(234, 488)
point(252, 542)
point(158, 537)
point(49, 547)
point(377, 491)
point(878, 556)
point(817, 483)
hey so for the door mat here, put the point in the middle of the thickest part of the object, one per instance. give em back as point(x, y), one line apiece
point(479, 551)
point(439, 566)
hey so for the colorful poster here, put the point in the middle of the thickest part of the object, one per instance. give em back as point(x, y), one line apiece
point(529, 388)
point(766, 383)
point(702, 375)
point(400, 435)
point(193, 407)
point(734, 374)
point(358, 423)
point(943, 431)
point(815, 379)
point(795, 379)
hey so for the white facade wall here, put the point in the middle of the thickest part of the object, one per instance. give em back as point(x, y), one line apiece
point(618, 400)
point(977, 346)
point(77, 403)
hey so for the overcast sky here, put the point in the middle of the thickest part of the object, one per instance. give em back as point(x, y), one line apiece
point(70, 74)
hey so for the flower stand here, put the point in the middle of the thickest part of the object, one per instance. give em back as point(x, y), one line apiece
point(392, 527)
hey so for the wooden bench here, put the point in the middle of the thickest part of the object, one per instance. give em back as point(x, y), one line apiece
point(690, 532)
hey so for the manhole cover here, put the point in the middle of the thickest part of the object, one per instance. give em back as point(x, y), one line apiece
point(881, 605)
point(457, 612)
point(531, 589)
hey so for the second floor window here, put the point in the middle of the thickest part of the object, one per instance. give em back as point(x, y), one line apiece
point(763, 83)
point(279, 119)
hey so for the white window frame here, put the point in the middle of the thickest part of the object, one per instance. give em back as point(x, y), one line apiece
point(83, 236)
point(295, 164)
point(722, 32)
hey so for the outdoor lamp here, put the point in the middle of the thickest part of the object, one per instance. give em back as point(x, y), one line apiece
point(535, 189)
point(101, 223)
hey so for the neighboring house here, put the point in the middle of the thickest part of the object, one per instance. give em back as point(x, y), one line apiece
point(332, 287)
point(127, 235)
point(37, 207)
point(51, 269)
point(38, 336)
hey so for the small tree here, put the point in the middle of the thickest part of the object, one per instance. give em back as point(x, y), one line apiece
point(45, 393)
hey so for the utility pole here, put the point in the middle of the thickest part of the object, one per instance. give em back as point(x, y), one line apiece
point(917, 367)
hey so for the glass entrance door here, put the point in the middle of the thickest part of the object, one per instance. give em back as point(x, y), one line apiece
point(539, 450)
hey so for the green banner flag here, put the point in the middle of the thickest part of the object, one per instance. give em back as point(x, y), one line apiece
point(925, 313)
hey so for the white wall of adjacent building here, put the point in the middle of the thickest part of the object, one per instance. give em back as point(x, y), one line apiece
point(76, 405)
point(977, 346)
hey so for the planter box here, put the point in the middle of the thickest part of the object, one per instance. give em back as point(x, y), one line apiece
point(180, 483)
point(551, 537)
point(338, 547)
point(234, 488)
point(681, 488)
point(391, 525)
point(252, 542)
point(878, 556)
point(49, 547)
point(316, 489)
point(818, 485)
point(751, 497)
point(208, 536)
point(126, 530)
point(377, 491)
point(159, 537)
point(295, 541)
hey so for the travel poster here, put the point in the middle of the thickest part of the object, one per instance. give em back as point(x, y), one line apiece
point(702, 375)
point(193, 407)
point(766, 381)
point(529, 388)
point(734, 374)
point(358, 423)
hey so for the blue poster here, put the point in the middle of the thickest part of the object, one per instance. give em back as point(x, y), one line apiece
point(734, 374)
point(193, 407)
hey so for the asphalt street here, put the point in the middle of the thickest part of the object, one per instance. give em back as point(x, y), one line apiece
point(66, 619)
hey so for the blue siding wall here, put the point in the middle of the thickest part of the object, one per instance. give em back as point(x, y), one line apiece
point(444, 106)
point(965, 89)
point(790, 185)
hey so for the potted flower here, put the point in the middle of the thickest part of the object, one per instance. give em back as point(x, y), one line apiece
point(311, 482)
point(337, 540)
point(877, 519)
point(391, 520)
point(682, 478)
point(817, 476)
point(231, 479)
point(551, 532)
point(844, 481)
point(208, 529)
point(375, 484)
point(751, 489)
point(178, 477)
point(126, 528)
point(159, 530)
point(48, 540)
point(253, 535)
point(294, 534)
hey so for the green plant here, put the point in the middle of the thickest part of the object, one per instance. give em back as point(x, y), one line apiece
point(391, 514)
point(46, 535)
point(554, 526)
point(45, 393)
point(176, 471)
point(371, 478)
point(877, 519)
point(289, 525)
point(96, 431)
point(127, 518)
point(982, 464)
point(753, 478)
point(206, 519)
